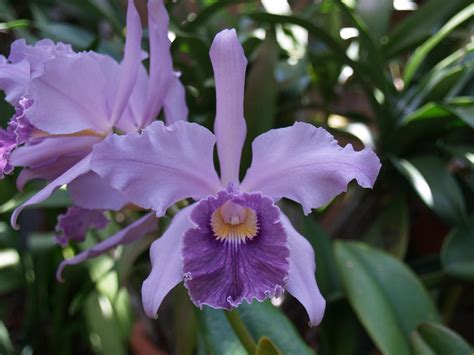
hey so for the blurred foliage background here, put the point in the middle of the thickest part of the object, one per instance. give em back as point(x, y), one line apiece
point(396, 264)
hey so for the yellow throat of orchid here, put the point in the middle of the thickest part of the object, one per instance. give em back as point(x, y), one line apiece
point(233, 222)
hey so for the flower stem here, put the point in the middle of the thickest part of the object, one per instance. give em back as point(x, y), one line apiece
point(241, 331)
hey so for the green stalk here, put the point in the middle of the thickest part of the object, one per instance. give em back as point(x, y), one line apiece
point(241, 331)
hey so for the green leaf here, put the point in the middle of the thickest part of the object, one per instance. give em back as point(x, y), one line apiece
point(435, 185)
point(218, 335)
point(105, 333)
point(387, 297)
point(376, 15)
point(6, 346)
point(326, 268)
point(432, 338)
point(390, 231)
point(263, 319)
point(266, 347)
point(457, 254)
point(422, 52)
point(261, 94)
point(420, 24)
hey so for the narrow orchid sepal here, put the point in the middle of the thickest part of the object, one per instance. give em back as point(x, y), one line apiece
point(229, 64)
point(129, 234)
point(302, 277)
point(80, 168)
point(166, 263)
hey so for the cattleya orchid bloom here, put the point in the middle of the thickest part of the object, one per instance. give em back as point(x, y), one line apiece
point(66, 102)
point(233, 243)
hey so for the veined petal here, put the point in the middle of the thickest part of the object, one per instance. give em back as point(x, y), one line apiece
point(161, 66)
point(306, 164)
point(134, 231)
point(130, 64)
point(302, 281)
point(160, 166)
point(14, 79)
point(175, 102)
point(80, 168)
point(166, 262)
point(229, 64)
point(70, 96)
point(92, 192)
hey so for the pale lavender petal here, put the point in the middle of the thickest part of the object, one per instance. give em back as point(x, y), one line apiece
point(48, 171)
point(229, 63)
point(159, 166)
point(92, 192)
point(161, 66)
point(302, 281)
point(76, 222)
point(46, 151)
point(133, 115)
point(175, 102)
point(131, 233)
point(80, 168)
point(130, 64)
point(166, 263)
point(25, 63)
point(14, 79)
point(70, 96)
point(222, 274)
point(306, 164)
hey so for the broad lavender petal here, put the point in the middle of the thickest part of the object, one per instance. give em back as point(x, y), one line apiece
point(25, 63)
point(92, 192)
point(14, 79)
point(302, 281)
point(175, 102)
point(161, 66)
point(70, 96)
point(76, 222)
point(130, 64)
point(80, 168)
point(306, 164)
point(222, 273)
point(133, 232)
point(159, 166)
point(166, 263)
point(229, 64)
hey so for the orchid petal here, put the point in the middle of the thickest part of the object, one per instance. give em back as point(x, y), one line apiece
point(130, 64)
point(229, 63)
point(306, 164)
point(70, 96)
point(302, 282)
point(161, 66)
point(49, 150)
point(90, 191)
point(175, 102)
point(160, 166)
point(166, 262)
point(80, 168)
point(131, 233)
point(14, 79)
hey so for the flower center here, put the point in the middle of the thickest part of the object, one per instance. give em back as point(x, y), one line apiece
point(233, 222)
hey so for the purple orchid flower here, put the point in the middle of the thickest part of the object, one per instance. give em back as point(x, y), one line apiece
point(67, 102)
point(234, 243)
